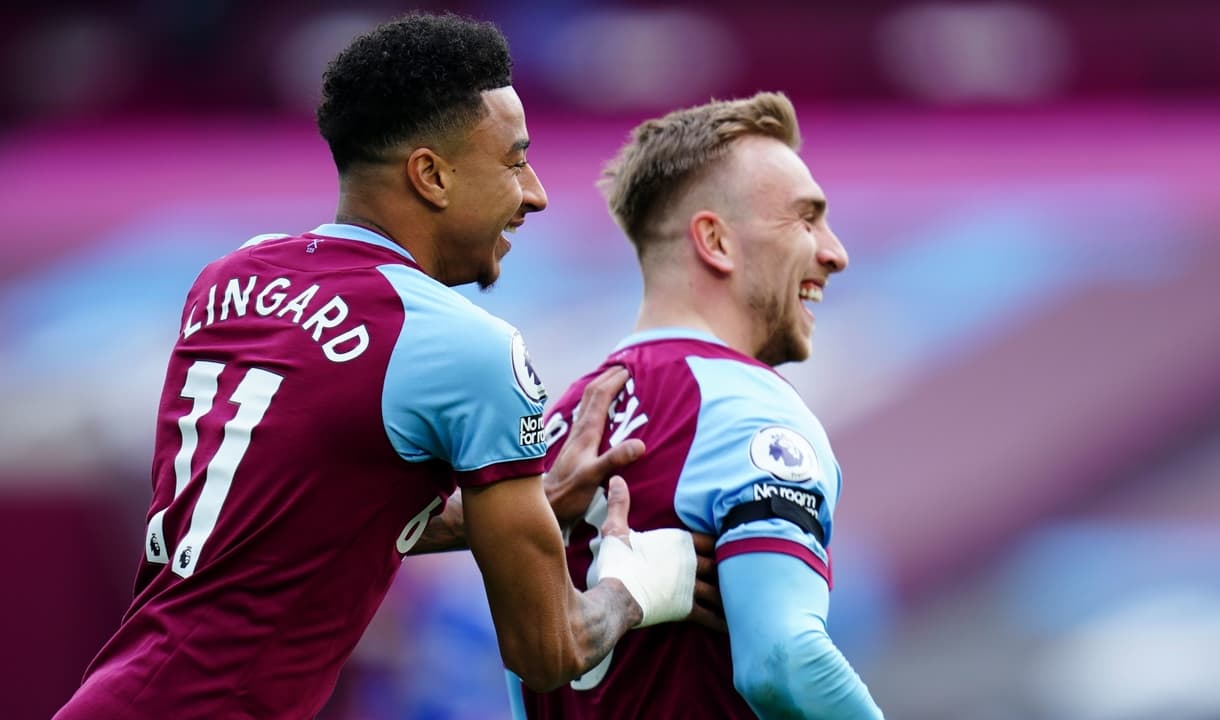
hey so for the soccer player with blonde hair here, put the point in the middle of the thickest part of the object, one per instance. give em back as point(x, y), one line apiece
point(733, 242)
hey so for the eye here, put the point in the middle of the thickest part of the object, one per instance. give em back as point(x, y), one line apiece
point(519, 166)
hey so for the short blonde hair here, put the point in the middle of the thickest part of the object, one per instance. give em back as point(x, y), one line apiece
point(666, 155)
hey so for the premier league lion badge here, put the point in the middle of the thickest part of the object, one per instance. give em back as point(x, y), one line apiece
point(529, 381)
point(784, 453)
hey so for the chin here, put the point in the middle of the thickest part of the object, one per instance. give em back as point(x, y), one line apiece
point(796, 351)
point(786, 343)
point(487, 279)
point(775, 356)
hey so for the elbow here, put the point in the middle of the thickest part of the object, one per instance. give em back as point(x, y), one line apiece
point(540, 680)
point(541, 671)
point(803, 676)
point(765, 691)
point(764, 677)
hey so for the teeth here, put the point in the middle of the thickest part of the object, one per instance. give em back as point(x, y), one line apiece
point(812, 293)
point(510, 228)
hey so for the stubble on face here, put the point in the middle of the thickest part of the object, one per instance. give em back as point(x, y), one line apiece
point(784, 340)
point(771, 226)
point(491, 195)
point(488, 275)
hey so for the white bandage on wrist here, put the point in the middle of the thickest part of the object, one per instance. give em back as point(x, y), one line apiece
point(658, 569)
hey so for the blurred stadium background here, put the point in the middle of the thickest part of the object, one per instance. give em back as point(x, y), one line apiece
point(1020, 371)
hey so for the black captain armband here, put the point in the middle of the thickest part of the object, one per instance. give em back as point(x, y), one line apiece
point(775, 507)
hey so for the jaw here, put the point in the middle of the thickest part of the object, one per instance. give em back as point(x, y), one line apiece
point(469, 264)
point(790, 342)
point(490, 273)
point(797, 338)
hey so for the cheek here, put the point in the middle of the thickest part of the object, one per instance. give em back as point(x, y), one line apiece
point(515, 196)
point(509, 189)
point(496, 202)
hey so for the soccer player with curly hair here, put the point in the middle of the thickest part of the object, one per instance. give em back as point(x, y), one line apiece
point(328, 393)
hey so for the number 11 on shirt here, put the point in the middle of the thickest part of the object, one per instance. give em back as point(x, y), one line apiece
point(253, 396)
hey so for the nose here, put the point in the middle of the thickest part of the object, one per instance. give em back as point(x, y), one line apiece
point(533, 195)
point(831, 253)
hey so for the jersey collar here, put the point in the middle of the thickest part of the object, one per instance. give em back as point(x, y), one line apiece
point(668, 333)
point(360, 234)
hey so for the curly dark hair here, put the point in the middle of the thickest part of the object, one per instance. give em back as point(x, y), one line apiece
point(417, 76)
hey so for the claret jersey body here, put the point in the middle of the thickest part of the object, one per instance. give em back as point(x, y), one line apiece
point(721, 429)
point(323, 399)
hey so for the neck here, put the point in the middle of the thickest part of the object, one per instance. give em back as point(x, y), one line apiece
point(367, 224)
point(655, 315)
point(382, 213)
point(661, 309)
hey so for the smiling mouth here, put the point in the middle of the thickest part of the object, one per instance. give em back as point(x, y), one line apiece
point(811, 292)
point(509, 229)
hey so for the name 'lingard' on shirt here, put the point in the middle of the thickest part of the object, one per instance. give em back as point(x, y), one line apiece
point(340, 345)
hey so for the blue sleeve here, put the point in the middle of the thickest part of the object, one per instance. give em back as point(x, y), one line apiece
point(755, 438)
point(784, 663)
point(459, 386)
point(516, 700)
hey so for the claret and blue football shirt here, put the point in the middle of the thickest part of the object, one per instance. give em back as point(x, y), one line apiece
point(721, 429)
point(323, 399)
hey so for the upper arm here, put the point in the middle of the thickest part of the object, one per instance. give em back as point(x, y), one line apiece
point(754, 439)
point(459, 387)
point(784, 662)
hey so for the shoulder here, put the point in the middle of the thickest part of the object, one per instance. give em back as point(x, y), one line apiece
point(756, 411)
point(439, 313)
point(692, 368)
point(754, 438)
point(444, 330)
point(730, 379)
point(259, 239)
point(429, 301)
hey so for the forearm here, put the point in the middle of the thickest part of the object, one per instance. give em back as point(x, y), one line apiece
point(549, 632)
point(596, 619)
point(804, 677)
point(602, 615)
point(444, 532)
point(447, 531)
point(539, 616)
point(784, 663)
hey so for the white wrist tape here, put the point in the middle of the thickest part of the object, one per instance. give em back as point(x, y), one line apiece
point(658, 569)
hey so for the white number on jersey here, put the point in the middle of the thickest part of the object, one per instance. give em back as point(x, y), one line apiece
point(595, 516)
point(414, 529)
point(252, 396)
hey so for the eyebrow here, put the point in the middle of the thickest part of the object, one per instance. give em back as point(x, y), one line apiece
point(520, 145)
point(816, 205)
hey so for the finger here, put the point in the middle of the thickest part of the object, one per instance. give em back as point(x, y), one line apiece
point(708, 619)
point(707, 595)
point(618, 504)
point(705, 556)
point(618, 457)
point(705, 545)
point(610, 380)
point(595, 405)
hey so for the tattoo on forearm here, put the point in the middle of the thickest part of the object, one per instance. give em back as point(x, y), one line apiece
point(608, 612)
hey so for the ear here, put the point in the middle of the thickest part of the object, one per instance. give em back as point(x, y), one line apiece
point(428, 174)
point(709, 236)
